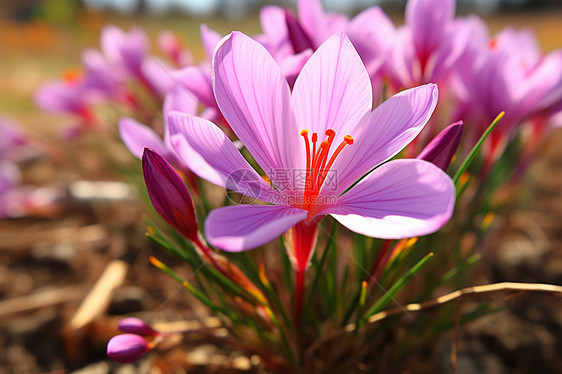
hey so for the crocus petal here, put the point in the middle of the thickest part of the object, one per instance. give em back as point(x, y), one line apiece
point(292, 65)
point(198, 81)
point(311, 16)
point(209, 38)
point(181, 100)
point(127, 348)
point(441, 149)
point(157, 74)
point(333, 90)
point(169, 195)
point(127, 50)
point(275, 37)
point(137, 137)
point(241, 227)
point(401, 60)
point(254, 97)
point(173, 49)
point(60, 97)
point(208, 152)
point(372, 42)
point(428, 20)
point(543, 88)
point(402, 198)
point(100, 76)
point(446, 56)
point(298, 37)
point(387, 130)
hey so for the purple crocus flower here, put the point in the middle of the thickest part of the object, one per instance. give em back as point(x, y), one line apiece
point(128, 53)
point(100, 77)
point(286, 34)
point(197, 79)
point(137, 136)
point(428, 46)
point(507, 73)
point(173, 48)
point(442, 148)
point(127, 348)
point(296, 134)
point(126, 50)
point(63, 97)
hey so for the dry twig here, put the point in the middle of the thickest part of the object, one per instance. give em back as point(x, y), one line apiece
point(465, 293)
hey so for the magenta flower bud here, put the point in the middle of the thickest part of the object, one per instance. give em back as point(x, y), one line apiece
point(441, 149)
point(298, 37)
point(137, 326)
point(127, 348)
point(169, 195)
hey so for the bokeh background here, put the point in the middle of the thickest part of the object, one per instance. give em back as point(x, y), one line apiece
point(50, 260)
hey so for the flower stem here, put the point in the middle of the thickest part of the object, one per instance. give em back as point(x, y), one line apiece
point(208, 254)
point(375, 270)
point(299, 295)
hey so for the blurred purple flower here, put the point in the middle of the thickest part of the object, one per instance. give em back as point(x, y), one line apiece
point(285, 34)
point(427, 48)
point(173, 49)
point(12, 140)
point(137, 136)
point(63, 97)
point(128, 53)
point(332, 95)
point(137, 326)
point(9, 181)
point(127, 348)
point(507, 73)
point(101, 80)
point(126, 50)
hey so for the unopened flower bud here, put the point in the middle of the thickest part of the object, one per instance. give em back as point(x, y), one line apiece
point(441, 149)
point(137, 326)
point(169, 195)
point(127, 348)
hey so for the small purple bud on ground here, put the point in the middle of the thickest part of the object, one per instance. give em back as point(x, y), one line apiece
point(127, 348)
point(137, 326)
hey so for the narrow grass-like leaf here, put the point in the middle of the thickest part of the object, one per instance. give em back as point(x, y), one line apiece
point(381, 303)
point(195, 292)
point(362, 298)
point(287, 267)
point(451, 274)
point(468, 160)
point(154, 233)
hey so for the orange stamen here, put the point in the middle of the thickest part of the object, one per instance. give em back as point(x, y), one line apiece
point(347, 140)
point(318, 165)
point(314, 140)
point(304, 134)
